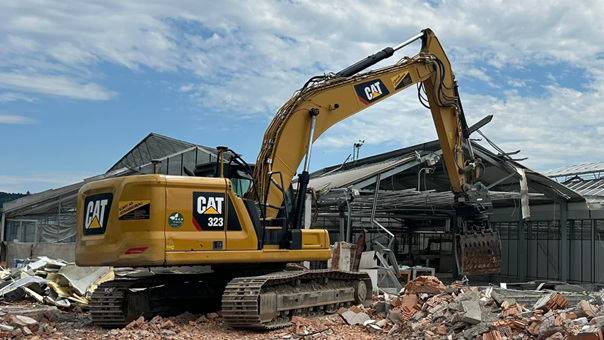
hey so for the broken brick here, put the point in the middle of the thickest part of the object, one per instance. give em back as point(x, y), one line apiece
point(591, 334)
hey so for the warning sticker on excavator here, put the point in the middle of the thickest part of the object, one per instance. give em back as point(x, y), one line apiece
point(401, 80)
point(371, 91)
point(134, 210)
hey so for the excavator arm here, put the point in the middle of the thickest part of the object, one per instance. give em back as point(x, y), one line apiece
point(328, 99)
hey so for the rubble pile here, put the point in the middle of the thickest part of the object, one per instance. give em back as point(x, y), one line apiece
point(427, 309)
point(52, 282)
point(36, 322)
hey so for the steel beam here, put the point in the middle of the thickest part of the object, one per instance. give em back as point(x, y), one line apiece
point(564, 261)
point(551, 193)
point(495, 162)
point(486, 120)
point(454, 221)
point(521, 249)
point(395, 171)
point(3, 226)
point(499, 181)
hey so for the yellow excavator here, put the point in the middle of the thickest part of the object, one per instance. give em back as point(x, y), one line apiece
point(245, 223)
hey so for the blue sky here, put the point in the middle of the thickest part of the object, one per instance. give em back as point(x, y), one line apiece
point(82, 82)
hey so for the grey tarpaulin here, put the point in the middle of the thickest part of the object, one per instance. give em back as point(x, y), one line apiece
point(50, 229)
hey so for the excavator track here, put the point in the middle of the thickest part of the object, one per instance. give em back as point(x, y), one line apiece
point(261, 302)
point(106, 303)
point(270, 301)
point(116, 303)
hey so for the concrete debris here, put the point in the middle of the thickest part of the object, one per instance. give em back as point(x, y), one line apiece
point(588, 309)
point(458, 312)
point(52, 282)
point(353, 318)
point(6, 328)
point(473, 314)
point(427, 309)
point(22, 321)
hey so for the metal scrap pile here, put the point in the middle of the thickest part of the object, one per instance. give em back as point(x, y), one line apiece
point(52, 282)
point(427, 309)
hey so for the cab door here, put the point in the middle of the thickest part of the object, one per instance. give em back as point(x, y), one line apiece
point(196, 214)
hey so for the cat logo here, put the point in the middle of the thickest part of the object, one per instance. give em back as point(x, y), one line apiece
point(209, 205)
point(96, 213)
point(371, 91)
point(208, 211)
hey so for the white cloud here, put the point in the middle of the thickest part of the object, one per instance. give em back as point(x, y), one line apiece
point(14, 119)
point(186, 87)
point(54, 85)
point(12, 96)
point(516, 83)
point(478, 74)
point(249, 58)
point(562, 127)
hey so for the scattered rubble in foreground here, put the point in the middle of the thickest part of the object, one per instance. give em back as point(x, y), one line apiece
point(426, 309)
point(429, 310)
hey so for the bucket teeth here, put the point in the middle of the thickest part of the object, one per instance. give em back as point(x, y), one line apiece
point(479, 252)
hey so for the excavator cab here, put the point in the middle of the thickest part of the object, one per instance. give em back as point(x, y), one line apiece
point(277, 231)
point(239, 174)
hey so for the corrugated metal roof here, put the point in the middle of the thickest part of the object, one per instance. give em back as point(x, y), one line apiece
point(579, 169)
point(154, 146)
point(345, 178)
point(49, 199)
point(592, 190)
point(188, 156)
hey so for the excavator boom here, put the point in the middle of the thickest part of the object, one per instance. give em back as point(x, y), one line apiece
point(326, 100)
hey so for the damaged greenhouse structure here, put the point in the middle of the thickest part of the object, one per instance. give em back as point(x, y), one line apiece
point(43, 224)
point(550, 224)
point(550, 230)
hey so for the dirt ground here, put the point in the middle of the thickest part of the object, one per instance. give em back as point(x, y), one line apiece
point(65, 325)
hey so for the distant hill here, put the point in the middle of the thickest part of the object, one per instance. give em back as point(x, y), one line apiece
point(7, 197)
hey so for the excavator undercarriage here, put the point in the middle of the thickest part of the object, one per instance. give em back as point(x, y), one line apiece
point(260, 302)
